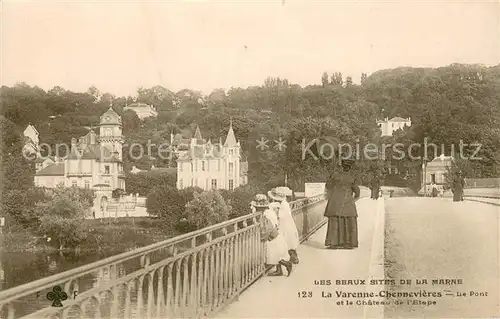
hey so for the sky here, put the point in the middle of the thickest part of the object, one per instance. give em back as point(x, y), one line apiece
point(119, 46)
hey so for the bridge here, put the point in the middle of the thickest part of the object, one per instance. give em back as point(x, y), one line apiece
point(219, 271)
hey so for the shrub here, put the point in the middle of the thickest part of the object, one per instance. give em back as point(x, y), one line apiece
point(207, 208)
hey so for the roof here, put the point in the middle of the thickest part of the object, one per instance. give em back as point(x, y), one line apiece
point(56, 169)
point(441, 161)
point(164, 169)
point(197, 134)
point(398, 119)
point(110, 117)
point(94, 152)
point(230, 139)
point(138, 104)
point(31, 127)
point(199, 152)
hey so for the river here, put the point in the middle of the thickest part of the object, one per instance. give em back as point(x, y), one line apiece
point(22, 267)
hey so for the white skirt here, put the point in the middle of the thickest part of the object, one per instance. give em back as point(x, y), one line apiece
point(276, 250)
point(289, 231)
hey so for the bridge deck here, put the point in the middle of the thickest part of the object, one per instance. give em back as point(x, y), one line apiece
point(277, 297)
point(426, 238)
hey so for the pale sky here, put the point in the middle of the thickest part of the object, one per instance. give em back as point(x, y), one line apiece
point(121, 45)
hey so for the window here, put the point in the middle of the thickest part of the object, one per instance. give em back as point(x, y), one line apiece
point(87, 184)
point(74, 183)
point(203, 166)
point(433, 178)
point(106, 169)
point(231, 152)
point(230, 168)
point(214, 183)
point(231, 186)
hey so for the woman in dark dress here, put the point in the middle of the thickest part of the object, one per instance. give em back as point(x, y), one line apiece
point(375, 186)
point(458, 187)
point(341, 211)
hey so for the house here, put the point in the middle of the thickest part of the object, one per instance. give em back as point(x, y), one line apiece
point(31, 141)
point(142, 110)
point(434, 172)
point(94, 161)
point(208, 165)
point(388, 127)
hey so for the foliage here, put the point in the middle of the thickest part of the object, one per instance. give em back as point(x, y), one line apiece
point(62, 216)
point(19, 207)
point(446, 105)
point(169, 204)
point(206, 208)
point(144, 182)
point(117, 192)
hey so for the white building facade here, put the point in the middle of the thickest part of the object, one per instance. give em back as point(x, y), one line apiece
point(142, 110)
point(388, 127)
point(94, 161)
point(211, 166)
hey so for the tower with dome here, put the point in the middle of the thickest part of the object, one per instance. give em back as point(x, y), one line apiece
point(94, 161)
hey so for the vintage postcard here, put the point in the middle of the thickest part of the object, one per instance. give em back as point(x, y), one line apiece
point(249, 159)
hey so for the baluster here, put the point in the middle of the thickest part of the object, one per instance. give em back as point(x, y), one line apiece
point(151, 295)
point(185, 286)
point(221, 274)
point(115, 292)
point(201, 287)
point(169, 302)
point(215, 275)
point(97, 313)
point(10, 311)
point(160, 299)
point(230, 268)
point(252, 252)
point(128, 299)
point(227, 265)
point(193, 300)
point(211, 278)
point(237, 263)
point(204, 292)
point(140, 297)
point(177, 292)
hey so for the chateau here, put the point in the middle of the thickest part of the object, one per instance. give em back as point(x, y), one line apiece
point(94, 161)
point(389, 126)
point(209, 166)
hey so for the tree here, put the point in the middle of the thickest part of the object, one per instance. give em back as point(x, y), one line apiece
point(207, 208)
point(348, 82)
point(364, 76)
point(324, 79)
point(62, 215)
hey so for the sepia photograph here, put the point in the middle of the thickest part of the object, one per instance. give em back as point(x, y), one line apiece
point(249, 159)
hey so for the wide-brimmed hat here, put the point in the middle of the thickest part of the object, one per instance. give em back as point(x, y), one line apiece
point(279, 193)
point(260, 200)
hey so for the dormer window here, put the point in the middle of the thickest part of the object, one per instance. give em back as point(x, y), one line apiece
point(231, 152)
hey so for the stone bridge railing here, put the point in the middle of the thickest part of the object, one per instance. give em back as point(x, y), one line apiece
point(192, 275)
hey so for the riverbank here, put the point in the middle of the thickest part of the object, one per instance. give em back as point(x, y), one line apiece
point(102, 236)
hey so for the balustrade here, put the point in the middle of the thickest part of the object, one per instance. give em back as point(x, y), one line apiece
point(192, 275)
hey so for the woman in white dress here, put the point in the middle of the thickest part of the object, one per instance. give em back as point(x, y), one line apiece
point(276, 248)
point(288, 229)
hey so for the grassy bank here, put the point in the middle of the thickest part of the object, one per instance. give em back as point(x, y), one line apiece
point(106, 235)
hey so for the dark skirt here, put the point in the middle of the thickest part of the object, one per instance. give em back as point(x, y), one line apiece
point(458, 195)
point(342, 232)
